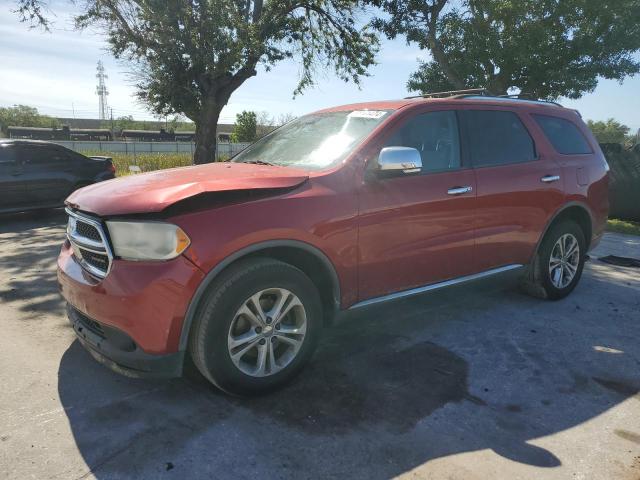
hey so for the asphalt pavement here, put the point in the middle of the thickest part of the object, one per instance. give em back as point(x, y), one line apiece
point(474, 383)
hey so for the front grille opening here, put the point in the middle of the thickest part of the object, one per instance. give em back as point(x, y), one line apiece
point(88, 241)
point(114, 337)
point(91, 325)
point(88, 231)
point(96, 260)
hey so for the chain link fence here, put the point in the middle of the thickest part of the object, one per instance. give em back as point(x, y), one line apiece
point(224, 150)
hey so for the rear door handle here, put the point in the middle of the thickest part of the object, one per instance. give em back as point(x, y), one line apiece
point(550, 178)
point(459, 190)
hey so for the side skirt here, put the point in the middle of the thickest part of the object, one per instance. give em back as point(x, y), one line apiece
point(435, 286)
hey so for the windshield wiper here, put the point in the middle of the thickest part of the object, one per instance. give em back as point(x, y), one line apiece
point(260, 162)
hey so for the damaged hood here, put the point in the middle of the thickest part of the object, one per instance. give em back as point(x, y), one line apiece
point(155, 191)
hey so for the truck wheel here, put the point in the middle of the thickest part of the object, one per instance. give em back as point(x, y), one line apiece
point(558, 265)
point(257, 327)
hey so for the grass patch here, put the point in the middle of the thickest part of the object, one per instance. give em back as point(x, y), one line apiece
point(623, 226)
point(148, 162)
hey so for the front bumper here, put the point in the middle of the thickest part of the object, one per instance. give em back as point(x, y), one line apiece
point(118, 352)
point(138, 311)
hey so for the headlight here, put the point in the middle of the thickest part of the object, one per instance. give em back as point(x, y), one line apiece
point(147, 240)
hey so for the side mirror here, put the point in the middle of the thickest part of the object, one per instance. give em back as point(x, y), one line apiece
point(399, 159)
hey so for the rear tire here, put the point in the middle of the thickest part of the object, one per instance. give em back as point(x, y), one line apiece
point(558, 265)
point(240, 342)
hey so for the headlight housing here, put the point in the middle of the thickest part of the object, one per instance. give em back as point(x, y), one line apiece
point(147, 240)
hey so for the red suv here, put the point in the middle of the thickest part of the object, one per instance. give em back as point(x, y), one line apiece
point(240, 264)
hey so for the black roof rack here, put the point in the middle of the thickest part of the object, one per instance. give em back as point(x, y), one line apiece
point(454, 93)
point(482, 92)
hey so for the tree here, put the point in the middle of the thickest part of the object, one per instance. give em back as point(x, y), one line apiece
point(609, 131)
point(544, 48)
point(25, 116)
point(192, 55)
point(267, 123)
point(245, 129)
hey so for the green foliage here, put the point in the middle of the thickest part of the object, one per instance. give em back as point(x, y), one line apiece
point(245, 129)
point(147, 162)
point(624, 181)
point(609, 131)
point(623, 226)
point(25, 116)
point(543, 48)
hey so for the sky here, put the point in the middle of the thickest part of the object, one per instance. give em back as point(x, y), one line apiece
point(55, 72)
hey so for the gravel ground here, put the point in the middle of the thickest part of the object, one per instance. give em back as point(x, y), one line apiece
point(474, 383)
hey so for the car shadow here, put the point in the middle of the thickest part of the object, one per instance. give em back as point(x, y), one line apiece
point(389, 389)
point(29, 245)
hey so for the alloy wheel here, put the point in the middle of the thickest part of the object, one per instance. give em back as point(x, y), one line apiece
point(564, 261)
point(267, 332)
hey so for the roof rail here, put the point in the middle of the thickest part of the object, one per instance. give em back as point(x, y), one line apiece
point(454, 93)
point(481, 92)
point(526, 96)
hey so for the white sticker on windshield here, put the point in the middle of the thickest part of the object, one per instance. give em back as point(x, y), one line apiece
point(375, 114)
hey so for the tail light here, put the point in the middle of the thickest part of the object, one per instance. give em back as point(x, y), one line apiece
point(112, 168)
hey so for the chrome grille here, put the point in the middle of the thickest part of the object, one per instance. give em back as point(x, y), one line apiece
point(88, 231)
point(89, 243)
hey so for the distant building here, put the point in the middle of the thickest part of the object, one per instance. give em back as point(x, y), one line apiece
point(64, 133)
point(155, 131)
point(89, 129)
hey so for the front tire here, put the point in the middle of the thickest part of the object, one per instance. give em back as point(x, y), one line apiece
point(257, 328)
point(559, 262)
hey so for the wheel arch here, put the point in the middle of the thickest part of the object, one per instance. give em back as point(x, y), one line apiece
point(576, 211)
point(308, 258)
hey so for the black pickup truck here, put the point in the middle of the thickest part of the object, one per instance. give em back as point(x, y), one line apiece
point(35, 174)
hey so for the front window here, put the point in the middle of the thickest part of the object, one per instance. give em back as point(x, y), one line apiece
point(314, 141)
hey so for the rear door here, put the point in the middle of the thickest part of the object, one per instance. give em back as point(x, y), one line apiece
point(417, 229)
point(12, 188)
point(49, 173)
point(518, 186)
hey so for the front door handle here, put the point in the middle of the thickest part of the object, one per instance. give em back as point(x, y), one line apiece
point(550, 178)
point(459, 190)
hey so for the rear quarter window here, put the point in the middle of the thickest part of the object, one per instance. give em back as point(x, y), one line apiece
point(564, 135)
point(497, 137)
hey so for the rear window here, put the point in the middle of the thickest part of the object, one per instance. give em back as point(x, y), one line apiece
point(563, 135)
point(42, 155)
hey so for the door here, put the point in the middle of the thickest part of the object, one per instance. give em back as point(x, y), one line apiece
point(12, 189)
point(417, 229)
point(49, 174)
point(518, 186)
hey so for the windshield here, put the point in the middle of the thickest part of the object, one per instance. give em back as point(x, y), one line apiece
point(314, 141)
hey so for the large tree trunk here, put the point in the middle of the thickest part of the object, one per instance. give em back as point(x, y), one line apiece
point(206, 134)
point(220, 89)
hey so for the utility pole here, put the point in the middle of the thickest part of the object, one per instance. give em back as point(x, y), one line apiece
point(113, 135)
point(101, 91)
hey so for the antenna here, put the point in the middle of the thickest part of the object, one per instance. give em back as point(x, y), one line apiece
point(101, 91)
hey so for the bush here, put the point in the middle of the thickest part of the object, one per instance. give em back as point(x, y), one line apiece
point(147, 162)
point(624, 186)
